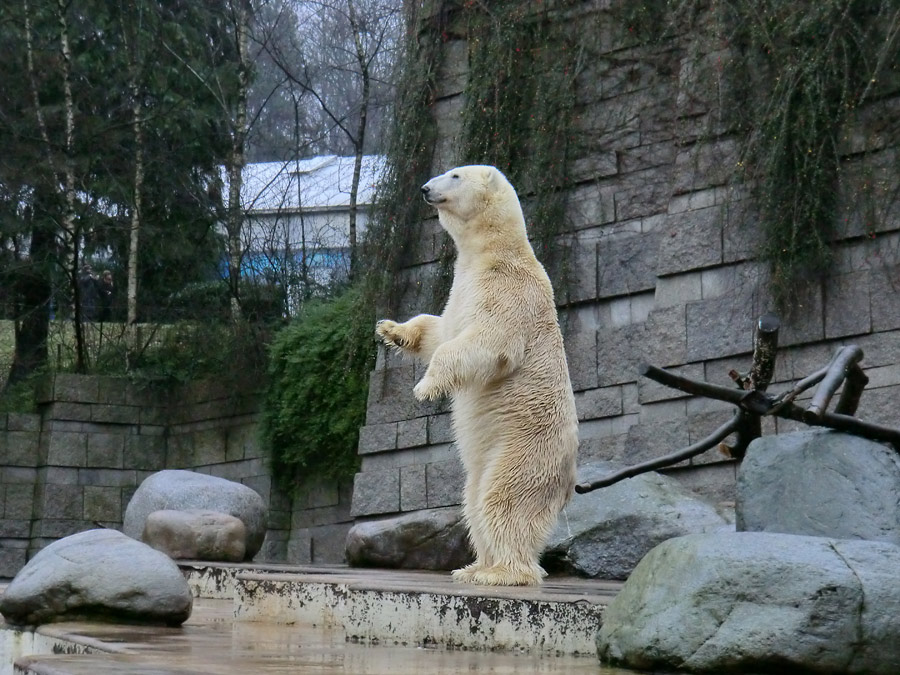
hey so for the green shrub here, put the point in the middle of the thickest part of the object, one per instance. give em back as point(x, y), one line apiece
point(316, 392)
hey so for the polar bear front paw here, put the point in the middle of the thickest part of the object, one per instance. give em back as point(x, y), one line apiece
point(427, 389)
point(387, 332)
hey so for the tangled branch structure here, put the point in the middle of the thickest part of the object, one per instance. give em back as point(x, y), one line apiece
point(753, 403)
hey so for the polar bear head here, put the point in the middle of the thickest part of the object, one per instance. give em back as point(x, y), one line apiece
point(474, 197)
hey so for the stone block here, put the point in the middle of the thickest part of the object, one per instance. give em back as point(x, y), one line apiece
point(115, 414)
point(57, 528)
point(581, 355)
point(655, 439)
point(63, 502)
point(19, 475)
point(377, 438)
point(413, 488)
point(719, 328)
point(145, 452)
point(321, 493)
point(103, 504)
point(590, 205)
point(11, 559)
point(690, 240)
point(209, 446)
point(412, 433)
point(107, 477)
point(440, 429)
point(444, 481)
point(19, 448)
point(65, 410)
point(847, 309)
point(76, 388)
point(15, 528)
point(619, 353)
point(67, 449)
point(18, 501)
point(391, 399)
point(153, 416)
point(328, 544)
point(628, 264)
point(262, 485)
point(23, 422)
point(582, 277)
point(376, 492)
point(705, 164)
point(105, 450)
point(242, 442)
point(805, 322)
point(299, 547)
point(58, 475)
point(597, 403)
point(647, 193)
point(112, 389)
point(885, 298)
point(678, 290)
point(180, 451)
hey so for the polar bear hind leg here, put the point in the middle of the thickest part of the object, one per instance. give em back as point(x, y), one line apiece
point(516, 519)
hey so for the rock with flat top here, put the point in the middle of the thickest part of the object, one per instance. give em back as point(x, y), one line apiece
point(196, 534)
point(98, 575)
point(186, 491)
point(433, 539)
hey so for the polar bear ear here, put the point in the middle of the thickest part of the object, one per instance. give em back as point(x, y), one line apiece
point(490, 177)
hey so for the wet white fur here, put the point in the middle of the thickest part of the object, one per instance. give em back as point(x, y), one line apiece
point(498, 351)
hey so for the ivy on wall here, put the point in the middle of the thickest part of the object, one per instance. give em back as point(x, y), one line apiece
point(807, 68)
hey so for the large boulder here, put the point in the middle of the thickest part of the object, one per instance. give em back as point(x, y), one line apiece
point(754, 602)
point(820, 483)
point(196, 534)
point(186, 490)
point(605, 533)
point(435, 539)
point(98, 575)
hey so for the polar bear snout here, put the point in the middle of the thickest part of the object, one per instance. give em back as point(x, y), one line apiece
point(430, 195)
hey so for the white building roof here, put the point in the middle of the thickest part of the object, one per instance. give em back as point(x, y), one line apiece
point(324, 184)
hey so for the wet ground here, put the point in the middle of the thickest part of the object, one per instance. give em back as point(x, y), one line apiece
point(212, 643)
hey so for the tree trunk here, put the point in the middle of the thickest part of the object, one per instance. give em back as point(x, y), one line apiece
point(359, 142)
point(237, 159)
point(71, 229)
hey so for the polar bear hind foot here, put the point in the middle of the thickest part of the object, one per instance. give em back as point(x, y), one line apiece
point(466, 574)
point(505, 575)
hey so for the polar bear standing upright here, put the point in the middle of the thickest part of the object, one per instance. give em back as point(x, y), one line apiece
point(498, 351)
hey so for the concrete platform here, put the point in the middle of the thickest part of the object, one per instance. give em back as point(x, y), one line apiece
point(282, 619)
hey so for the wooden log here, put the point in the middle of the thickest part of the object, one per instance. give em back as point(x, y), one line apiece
point(765, 349)
point(851, 393)
point(852, 425)
point(690, 386)
point(845, 357)
point(666, 460)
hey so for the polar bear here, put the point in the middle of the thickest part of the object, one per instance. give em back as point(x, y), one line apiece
point(498, 352)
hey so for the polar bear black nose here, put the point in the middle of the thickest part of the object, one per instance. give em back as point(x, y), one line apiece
point(425, 189)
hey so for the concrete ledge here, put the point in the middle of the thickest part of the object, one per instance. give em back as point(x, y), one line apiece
point(428, 609)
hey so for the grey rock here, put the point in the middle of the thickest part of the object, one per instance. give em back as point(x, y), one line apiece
point(820, 483)
point(196, 534)
point(434, 539)
point(185, 490)
point(755, 602)
point(98, 575)
point(605, 533)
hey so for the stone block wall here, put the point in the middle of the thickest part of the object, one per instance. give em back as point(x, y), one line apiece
point(76, 464)
point(663, 271)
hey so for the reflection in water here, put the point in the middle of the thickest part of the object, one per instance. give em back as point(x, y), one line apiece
point(210, 643)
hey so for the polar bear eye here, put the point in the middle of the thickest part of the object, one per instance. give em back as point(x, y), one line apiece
point(455, 175)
